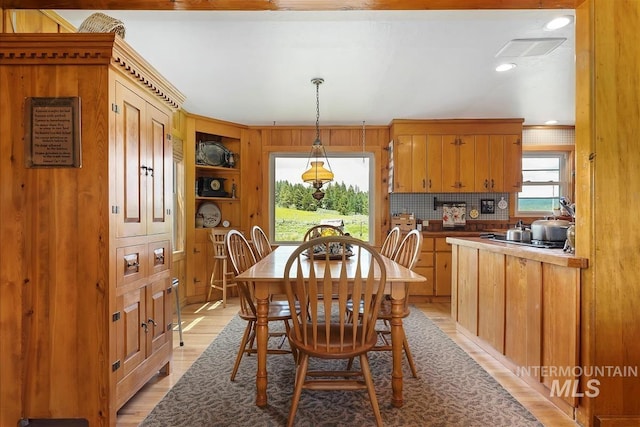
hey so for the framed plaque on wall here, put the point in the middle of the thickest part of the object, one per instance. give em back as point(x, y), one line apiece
point(52, 132)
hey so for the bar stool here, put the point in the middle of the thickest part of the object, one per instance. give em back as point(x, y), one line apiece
point(221, 278)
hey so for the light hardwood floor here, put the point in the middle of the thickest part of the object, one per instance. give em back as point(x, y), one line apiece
point(202, 323)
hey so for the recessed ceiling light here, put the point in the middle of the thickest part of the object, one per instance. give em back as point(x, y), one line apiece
point(505, 67)
point(551, 122)
point(559, 22)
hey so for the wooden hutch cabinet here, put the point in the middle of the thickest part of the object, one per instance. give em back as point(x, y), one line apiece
point(86, 279)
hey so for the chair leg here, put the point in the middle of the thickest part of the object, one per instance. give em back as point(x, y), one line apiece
point(241, 349)
point(212, 281)
point(301, 373)
point(224, 283)
point(366, 373)
point(407, 353)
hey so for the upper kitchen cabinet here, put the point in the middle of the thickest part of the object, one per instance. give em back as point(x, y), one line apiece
point(410, 151)
point(498, 163)
point(457, 155)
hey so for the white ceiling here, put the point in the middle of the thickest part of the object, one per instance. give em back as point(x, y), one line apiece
point(255, 68)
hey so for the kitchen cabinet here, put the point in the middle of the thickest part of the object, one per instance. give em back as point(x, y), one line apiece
point(91, 245)
point(522, 306)
point(434, 263)
point(457, 155)
point(458, 163)
point(411, 153)
point(498, 160)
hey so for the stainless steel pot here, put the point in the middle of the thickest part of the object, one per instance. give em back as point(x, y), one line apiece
point(550, 230)
point(519, 234)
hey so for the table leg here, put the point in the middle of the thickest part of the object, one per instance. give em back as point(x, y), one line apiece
point(397, 304)
point(262, 336)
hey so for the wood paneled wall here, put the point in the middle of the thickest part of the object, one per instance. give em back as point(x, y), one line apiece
point(608, 198)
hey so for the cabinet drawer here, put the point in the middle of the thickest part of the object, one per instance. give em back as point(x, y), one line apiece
point(425, 259)
point(131, 264)
point(427, 244)
point(442, 245)
point(159, 256)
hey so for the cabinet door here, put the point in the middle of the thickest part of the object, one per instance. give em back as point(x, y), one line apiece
point(200, 283)
point(130, 191)
point(131, 339)
point(442, 279)
point(143, 167)
point(483, 164)
point(434, 164)
point(496, 163)
point(402, 173)
point(513, 163)
point(158, 315)
point(418, 163)
point(466, 163)
point(159, 170)
point(450, 180)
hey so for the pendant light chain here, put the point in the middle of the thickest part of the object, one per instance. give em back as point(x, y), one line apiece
point(317, 82)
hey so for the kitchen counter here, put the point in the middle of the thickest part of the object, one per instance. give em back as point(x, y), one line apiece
point(550, 256)
point(521, 304)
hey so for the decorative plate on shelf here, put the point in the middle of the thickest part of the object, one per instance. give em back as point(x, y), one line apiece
point(212, 154)
point(211, 214)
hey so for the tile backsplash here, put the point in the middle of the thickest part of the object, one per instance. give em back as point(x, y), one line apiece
point(422, 205)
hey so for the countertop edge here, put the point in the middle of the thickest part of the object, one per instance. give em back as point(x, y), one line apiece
point(551, 256)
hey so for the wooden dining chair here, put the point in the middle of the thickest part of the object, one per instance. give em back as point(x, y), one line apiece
point(242, 258)
point(322, 330)
point(322, 230)
point(407, 256)
point(390, 244)
point(260, 242)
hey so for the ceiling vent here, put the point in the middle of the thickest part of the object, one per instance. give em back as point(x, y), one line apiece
point(529, 47)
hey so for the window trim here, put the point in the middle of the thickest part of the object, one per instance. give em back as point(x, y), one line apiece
point(305, 155)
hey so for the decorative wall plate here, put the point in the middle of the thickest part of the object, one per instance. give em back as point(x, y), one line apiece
point(473, 213)
point(212, 154)
point(502, 204)
point(211, 213)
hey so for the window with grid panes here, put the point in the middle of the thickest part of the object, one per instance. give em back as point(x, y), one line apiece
point(542, 183)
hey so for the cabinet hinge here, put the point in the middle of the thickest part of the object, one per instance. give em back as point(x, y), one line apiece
point(115, 366)
point(115, 209)
point(115, 316)
point(115, 108)
point(169, 326)
point(168, 137)
point(168, 211)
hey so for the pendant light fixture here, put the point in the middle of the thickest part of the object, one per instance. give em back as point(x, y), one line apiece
point(317, 175)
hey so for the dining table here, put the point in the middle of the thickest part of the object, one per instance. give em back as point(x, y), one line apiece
point(268, 277)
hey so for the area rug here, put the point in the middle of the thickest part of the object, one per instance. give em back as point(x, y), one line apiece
point(452, 390)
